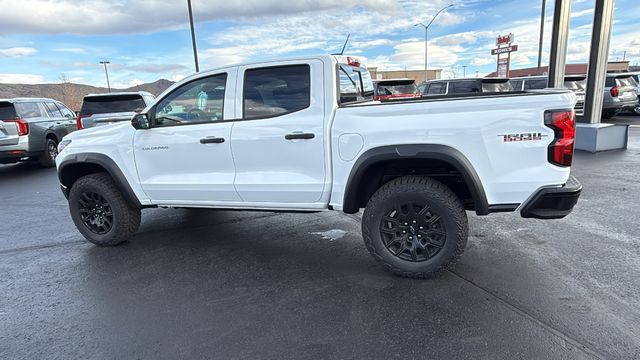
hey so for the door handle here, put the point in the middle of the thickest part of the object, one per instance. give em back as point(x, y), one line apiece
point(212, 140)
point(304, 136)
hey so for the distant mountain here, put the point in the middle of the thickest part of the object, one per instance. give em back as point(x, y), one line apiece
point(70, 93)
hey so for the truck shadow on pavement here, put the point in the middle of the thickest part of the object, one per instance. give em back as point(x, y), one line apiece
point(269, 285)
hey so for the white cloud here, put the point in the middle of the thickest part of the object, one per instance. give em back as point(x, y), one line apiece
point(18, 51)
point(21, 79)
point(109, 17)
point(369, 44)
point(135, 82)
point(71, 50)
point(576, 14)
point(482, 61)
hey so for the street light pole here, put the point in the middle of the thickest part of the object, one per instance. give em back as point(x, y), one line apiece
point(193, 36)
point(106, 73)
point(542, 15)
point(426, 36)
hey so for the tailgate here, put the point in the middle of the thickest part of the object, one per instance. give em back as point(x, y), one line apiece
point(8, 127)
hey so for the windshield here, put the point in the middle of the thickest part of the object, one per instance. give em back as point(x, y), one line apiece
point(112, 104)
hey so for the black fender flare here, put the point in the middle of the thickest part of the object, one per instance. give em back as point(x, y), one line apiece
point(66, 174)
point(417, 151)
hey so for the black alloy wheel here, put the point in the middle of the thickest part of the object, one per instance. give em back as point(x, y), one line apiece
point(95, 212)
point(413, 231)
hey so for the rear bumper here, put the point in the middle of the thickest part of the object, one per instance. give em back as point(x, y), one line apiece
point(14, 156)
point(620, 104)
point(553, 202)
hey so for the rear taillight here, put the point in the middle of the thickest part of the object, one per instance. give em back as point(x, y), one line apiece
point(79, 122)
point(615, 91)
point(563, 124)
point(21, 125)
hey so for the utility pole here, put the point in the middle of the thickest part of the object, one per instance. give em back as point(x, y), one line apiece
point(464, 71)
point(624, 55)
point(426, 36)
point(106, 72)
point(193, 36)
point(542, 16)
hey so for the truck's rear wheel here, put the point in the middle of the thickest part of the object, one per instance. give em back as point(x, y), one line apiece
point(415, 226)
point(100, 212)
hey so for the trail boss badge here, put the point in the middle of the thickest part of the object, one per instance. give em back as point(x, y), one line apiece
point(522, 137)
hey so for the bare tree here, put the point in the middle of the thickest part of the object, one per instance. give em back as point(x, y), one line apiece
point(65, 88)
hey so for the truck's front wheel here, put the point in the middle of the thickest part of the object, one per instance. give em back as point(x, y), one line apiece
point(100, 212)
point(416, 226)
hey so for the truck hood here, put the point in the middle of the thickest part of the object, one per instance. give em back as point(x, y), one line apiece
point(114, 133)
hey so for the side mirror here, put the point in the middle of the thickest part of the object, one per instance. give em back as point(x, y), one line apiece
point(140, 121)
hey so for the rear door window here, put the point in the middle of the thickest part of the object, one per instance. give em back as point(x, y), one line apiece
point(463, 87)
point(7, 111)
point(111, 104)
point(29, 110)
point(52, 110)
point(535, 84)
point(438, 88)
point(66, 112)
point(276, 91)
point(610, 82)
point(516, 84)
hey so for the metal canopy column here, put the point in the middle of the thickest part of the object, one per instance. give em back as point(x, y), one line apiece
point(559, 39)
point(598, 58)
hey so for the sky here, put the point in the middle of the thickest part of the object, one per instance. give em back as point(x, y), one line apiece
point(50, 41)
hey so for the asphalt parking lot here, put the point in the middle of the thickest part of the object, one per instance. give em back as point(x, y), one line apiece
point(248, 285)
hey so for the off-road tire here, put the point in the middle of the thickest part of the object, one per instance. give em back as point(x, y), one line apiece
point(46, 159)
point(443, 202)
point(125, 218)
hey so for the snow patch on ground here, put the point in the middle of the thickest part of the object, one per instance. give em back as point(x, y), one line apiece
point(331, 235)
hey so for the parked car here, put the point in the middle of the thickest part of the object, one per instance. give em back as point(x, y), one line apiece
point(465, 86)
point(110, 108)
point(391, 89)
point(305, 135)
point(636, 77)
point(576, 83)
point(620, 94)
point(31, 128)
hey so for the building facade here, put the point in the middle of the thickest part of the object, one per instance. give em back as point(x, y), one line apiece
point(417, 75)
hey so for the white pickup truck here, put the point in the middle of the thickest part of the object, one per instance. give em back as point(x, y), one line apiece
point(305, 135)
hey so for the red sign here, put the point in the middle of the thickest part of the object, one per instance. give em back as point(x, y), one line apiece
point(504, 50)
point(504, 40)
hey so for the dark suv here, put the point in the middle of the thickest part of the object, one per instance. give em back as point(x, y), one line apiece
point(30, 129)
point(456, 87)
point(109, 108)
